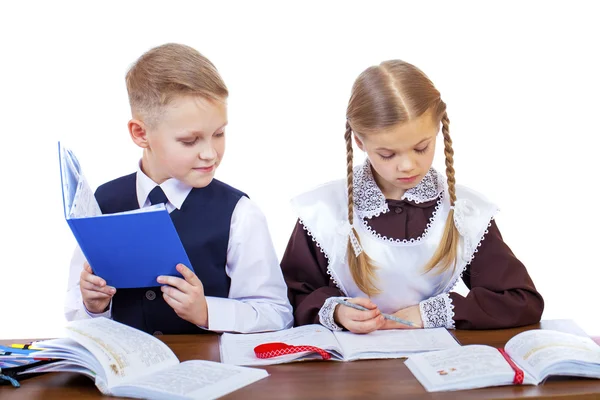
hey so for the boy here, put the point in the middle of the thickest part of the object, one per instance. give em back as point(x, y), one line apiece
point(179, 114)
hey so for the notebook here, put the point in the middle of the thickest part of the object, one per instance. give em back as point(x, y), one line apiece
point(311, 342)
point(128, 249)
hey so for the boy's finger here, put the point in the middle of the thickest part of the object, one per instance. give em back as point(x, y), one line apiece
point(188, 274)
point(86, 266)
point(172, 281)
point(97, 296)
point(175, 305)
point(96, 280)
point(109, 290)
point(173, 293)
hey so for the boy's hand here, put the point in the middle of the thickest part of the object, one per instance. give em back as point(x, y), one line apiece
point(412, 314)
point(357, 321)
point(186, 297)
point(95, 293)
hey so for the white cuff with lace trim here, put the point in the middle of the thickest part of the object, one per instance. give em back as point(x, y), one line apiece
point(326, 314)
point(437, 312)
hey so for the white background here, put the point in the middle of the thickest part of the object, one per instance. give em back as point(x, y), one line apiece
point(520, 80)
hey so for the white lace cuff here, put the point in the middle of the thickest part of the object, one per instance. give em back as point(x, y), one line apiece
point(326, 314)
point(437, 312)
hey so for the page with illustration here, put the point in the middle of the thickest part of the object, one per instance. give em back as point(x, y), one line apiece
point(196, 379)
point(393, 343)
point(467, 367)
point(238, 349)
point(124, 352)
point(547, 352)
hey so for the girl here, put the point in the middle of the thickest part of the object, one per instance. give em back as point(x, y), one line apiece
point(395, 236)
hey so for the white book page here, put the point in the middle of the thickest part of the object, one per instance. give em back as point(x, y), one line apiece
point(238, 349)
point(79, 200)
point(192, 380)
point(537, 350)
point(84, 203)
point(466, 367)
point(71, 351)
point(393, 343)
point(124, 352)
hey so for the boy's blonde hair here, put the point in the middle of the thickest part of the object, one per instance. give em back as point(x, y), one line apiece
point(383, 96)
point(168, 71)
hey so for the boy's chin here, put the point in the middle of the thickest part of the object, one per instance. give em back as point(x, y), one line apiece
point(200, 183)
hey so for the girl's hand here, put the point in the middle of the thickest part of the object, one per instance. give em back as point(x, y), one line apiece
point(357, 321)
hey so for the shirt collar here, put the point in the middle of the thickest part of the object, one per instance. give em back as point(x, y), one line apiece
point(369, 200)
point(175, 190)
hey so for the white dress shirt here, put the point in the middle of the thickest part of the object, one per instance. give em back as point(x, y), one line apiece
point(257, 298)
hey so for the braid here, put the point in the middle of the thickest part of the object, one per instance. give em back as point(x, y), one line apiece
point(449, 153)
point(349, 171)
point(446, 253)
point(361, 267)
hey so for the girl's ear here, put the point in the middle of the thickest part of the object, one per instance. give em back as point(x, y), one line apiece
point(359, 142)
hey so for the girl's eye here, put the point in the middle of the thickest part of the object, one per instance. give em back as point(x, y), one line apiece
point(386, 157)
point(423, 150)
point(219, 134)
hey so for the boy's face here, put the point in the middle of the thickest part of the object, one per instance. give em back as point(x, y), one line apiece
point(187, 142)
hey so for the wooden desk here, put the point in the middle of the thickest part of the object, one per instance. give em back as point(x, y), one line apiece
point(367, 379)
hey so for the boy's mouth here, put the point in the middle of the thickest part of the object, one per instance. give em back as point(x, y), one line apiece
point(205, 169)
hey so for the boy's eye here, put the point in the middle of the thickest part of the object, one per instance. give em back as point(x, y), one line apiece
point(386, 157)
point(423, 150)
point(189, 142)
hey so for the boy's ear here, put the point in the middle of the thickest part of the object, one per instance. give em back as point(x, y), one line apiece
point(138, 133)
point(358, 142)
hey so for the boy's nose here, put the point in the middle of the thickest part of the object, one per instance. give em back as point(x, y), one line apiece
point(207, 153)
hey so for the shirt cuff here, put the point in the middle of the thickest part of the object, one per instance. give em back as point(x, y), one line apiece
point(437, 312)
point(326, 314)
point(107, 313)
point(221, 314)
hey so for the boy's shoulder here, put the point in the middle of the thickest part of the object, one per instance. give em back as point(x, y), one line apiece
point(116, 187)
point(226, 188)
point(119, 193)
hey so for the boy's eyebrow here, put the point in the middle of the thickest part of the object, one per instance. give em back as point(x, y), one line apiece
point(195, 132)
point(386, 149)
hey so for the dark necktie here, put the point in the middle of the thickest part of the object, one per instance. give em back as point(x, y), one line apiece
point(157, 196)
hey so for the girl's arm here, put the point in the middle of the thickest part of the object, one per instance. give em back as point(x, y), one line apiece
point(305, 271)
point(502, 294)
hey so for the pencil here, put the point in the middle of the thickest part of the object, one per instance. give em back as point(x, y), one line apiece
point(386, 316)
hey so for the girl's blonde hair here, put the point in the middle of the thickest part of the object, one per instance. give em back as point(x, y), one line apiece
point(383, 96)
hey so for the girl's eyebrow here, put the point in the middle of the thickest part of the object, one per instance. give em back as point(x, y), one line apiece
point(386, 149)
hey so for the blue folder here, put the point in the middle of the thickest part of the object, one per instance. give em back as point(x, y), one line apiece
point(129, 249)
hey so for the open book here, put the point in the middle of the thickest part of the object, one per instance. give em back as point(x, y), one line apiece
point(128, 249)
point(239, 349)
point(538, 353)
point(126, 362)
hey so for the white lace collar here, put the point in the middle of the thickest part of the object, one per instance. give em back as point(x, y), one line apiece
point(370, 202)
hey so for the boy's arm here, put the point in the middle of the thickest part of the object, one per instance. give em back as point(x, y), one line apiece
point(74, 308)
point(502, 294)
point(258, 295)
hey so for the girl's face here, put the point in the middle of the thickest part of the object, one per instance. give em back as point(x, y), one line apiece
point(401, 155)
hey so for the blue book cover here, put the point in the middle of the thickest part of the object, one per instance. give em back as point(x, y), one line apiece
point(129, 249)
